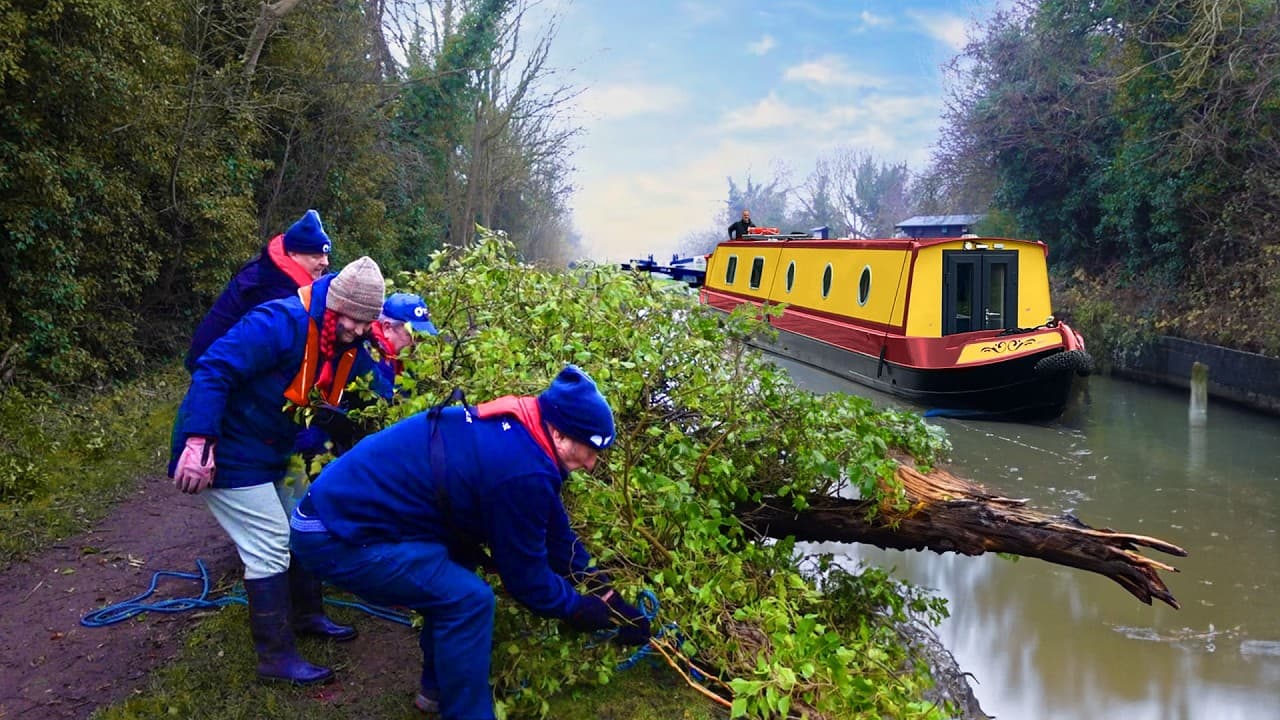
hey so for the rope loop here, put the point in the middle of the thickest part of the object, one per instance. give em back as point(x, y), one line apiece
point(134, 606)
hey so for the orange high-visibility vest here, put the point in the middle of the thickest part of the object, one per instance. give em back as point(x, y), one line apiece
point(299, 391)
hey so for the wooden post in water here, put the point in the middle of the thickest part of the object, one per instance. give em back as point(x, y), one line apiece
point(1199, 410)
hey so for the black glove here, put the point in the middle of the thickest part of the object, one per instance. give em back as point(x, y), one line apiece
point(596, 581)
point(333, 421)
point(633, 626)
point(310, 442)
point(591, 614)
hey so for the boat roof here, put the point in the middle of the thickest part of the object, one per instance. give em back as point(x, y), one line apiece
point(804, 240)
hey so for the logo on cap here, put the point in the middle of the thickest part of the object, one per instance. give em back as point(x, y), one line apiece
point(420, 311)
point(599, 441)
point(326, 248)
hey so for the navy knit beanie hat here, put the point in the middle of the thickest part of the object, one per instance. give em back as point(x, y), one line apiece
point(307, 236)
point(574, 406)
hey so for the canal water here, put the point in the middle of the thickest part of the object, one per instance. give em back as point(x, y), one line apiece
point(1051, 642)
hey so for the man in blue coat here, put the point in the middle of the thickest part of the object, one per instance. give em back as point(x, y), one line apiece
point(289, 261)
point(400, 520)
point(404, 315)
point(233, 438)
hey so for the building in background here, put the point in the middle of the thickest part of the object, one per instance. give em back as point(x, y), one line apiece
point(938, 225)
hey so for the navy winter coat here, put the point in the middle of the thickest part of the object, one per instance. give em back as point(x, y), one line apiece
point(499, 489)
point(265, 278)
point(237, 390)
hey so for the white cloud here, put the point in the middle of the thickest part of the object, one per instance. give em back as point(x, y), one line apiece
point(770, 112)
point(614, 102)
point(830, 70)
point(951, 30)
point(670, 203)
point(871, 20)
point(688, 194)
point(762, 46)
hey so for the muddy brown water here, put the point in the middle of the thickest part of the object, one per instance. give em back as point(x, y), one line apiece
point(1045, 641)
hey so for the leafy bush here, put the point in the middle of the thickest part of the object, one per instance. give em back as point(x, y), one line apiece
point(705, 427)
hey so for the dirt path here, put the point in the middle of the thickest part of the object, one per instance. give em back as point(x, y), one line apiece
point(53, 667)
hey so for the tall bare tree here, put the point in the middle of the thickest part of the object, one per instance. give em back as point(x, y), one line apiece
point(269, 13)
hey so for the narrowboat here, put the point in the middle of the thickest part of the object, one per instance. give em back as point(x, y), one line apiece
point(962, 326)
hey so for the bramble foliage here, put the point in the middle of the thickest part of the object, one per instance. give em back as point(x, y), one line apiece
point(705, 426)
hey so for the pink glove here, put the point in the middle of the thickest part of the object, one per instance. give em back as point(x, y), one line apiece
point(195, 468)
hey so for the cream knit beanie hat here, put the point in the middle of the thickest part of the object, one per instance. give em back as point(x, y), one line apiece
point(358, 290)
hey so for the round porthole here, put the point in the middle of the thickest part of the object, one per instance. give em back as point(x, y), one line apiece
point(791, 275)
point(864, 285)
point(826, 281)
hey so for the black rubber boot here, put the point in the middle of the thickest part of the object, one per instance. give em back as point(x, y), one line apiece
point(278, 657)
point(429, 704)
point(308, 606)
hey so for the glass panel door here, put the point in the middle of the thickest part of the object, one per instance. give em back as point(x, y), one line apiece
point(979, 290)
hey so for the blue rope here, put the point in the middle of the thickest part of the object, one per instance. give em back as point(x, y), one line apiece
point(135, 606)
point(647, 603)
point(375, 610)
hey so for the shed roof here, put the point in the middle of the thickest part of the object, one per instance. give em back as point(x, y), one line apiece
point(938, 220)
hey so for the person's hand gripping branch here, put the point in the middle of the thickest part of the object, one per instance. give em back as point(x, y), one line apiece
point(605, 609)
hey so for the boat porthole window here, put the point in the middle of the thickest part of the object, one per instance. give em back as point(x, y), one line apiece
point(757, 272)
point(791, 275)
point(731, 269)
point(826, 281)
point(864, 285)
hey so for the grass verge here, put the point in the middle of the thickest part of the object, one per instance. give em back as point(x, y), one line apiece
point(214, 677)
point(63, 461)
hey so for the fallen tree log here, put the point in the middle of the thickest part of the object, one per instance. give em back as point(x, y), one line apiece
point(946, 513)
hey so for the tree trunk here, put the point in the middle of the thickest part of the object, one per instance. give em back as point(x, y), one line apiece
point(950, 514)
point(267, 19)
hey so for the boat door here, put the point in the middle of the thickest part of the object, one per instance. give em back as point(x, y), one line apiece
point(979, 290)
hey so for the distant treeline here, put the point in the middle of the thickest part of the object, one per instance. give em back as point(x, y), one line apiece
point(150, 147)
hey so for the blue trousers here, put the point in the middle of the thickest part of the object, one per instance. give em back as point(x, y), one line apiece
point(455, 603)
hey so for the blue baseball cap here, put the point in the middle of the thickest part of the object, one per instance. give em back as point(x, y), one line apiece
point(411, 310)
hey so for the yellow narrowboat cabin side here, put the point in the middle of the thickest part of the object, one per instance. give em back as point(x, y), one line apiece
point(964, 325)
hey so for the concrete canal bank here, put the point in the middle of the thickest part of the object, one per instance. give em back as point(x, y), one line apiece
point(1245, 378)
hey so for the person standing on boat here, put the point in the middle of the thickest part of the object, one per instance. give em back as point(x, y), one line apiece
point(402, 519)
point(739, 229)
point(289, 261)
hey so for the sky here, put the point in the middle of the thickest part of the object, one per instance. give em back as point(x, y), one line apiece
point(679, 95)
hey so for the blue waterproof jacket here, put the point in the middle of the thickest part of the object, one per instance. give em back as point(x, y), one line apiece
point(383, 380)
point(498, 488)
point(237, 390)
point(259, 280)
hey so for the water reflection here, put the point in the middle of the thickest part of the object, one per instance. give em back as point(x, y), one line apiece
point(1046, 641)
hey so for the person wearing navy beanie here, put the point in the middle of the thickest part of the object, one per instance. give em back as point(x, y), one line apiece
point(405, 516)
point(307, 237)
point(574, 406)
point(290, 260)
